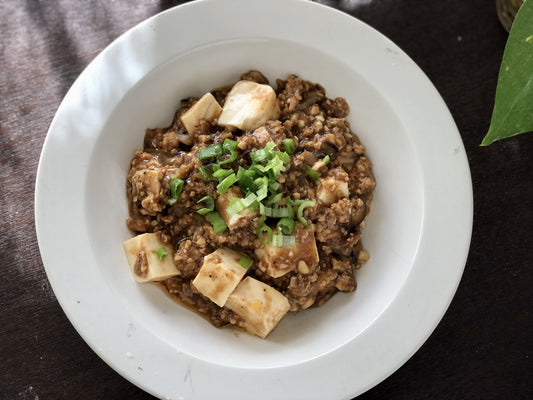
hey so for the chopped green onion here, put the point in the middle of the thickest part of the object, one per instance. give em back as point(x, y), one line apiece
point(245, 262)
point(273, 199)
point(222, 173)
point(277, 212)
point(229, 145)
point(274, 186)
point(250, 199)
point(301, 208)
point(216, 220)
point(176, 186)
point(326, 160)
point(292, 202)
point(161, 253)
point(285, 226)
point(289, 146)
point(208, 201)
point(283, 241)
point(212, 151)
point(230, 159)
point(311, 173)
point(207, 171)
point(209, 205)
point(235, 206)
point(226, 183)
point(282, 156)
point(261, 230)
point(259, 155)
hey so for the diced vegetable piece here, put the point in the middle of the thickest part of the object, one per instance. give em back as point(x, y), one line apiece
point(277, 261)
point(224, 202)
point(219, 225)
point(145, 257)
point(220, 274)
point(289, 146)
point(260, 306)
point(333, 187)
point(207, 108)
point(249, 105)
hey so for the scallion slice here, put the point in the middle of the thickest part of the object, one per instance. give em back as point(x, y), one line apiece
point(230, 159)
point(226, 183)
point(301, 208)
point(229, 145)
point(216, 220)
point(209, 205)
point(208, 152)
point(207, 171)
point(261, 231)
point(222, 173)
point(289, 146)
point(326, 160)
point(311, 173)
point(283, 241)
point(285, 226)
point(235, 206)
point(161, 253)
point(176, 187)
point(245, 262)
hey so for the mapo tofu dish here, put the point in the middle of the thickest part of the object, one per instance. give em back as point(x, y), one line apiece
point(252, 203)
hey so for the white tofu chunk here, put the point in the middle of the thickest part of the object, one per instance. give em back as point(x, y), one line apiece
point(145, 265)
point(260, 306)
point(333, 187)
point(277, 261)
point(207, 108)
point(237, 220)
point(220, 274)
point(249, 105)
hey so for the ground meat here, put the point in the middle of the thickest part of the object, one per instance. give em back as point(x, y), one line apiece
point(318, 127)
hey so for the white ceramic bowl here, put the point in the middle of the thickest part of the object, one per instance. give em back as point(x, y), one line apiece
point(417, 233)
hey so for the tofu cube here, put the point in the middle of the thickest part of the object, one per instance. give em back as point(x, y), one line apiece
point(333, 187)
point(145, 265)
point(260, 306)
point(249, 105)
point(207, 108)
point(277, 261)
point(237, 220)
point(220, 274)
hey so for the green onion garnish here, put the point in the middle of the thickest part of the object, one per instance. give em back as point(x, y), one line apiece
point(226, 183)
point(311, 173)
point(229, 145)
point(161, 253)
point(263, 229)
point(235, 206)
point(222, 173)
point(285, 226)
point(209, 205)
point(216, 220)
point(301, 208)
point(245, 262)
point(230, 159)
point(207, 171)
point(276, 212)
point(289, 146)
point(326, 160)
point(208, 152)
point(283, 241)
point(176, 186)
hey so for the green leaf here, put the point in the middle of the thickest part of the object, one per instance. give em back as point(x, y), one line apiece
point(513, 105)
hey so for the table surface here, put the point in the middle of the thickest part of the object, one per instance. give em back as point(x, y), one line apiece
point(482, 347)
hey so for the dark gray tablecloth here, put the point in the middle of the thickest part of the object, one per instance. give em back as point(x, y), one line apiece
point(482, 347)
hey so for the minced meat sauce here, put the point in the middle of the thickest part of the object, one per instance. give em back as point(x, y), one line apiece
point(318, 128)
